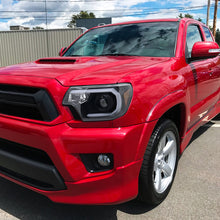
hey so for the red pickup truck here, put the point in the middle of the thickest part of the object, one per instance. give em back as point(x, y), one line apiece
point(106, 121)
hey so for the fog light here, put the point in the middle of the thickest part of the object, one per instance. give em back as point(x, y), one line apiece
point(98, 162)
point(104, 160)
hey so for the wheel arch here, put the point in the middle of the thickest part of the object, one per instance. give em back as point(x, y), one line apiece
point(177, 114)
point(173, 107)
point(165, 109)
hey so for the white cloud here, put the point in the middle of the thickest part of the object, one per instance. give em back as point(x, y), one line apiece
point(4, 26)
point(63, 11)
point(189, 3)
point(59, 13)
point(126, 18)
point(198, 2)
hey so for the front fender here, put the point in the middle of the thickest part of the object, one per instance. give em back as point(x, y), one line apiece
point(166, 103)
point(158, 110)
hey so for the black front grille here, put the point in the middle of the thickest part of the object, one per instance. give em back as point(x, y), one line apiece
point(29, 165)
point(27, 102)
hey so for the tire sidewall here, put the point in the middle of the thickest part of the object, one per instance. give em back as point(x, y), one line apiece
point(151, 195)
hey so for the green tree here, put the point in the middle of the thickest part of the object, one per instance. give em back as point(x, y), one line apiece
point(38, 28)
point(185, 15)
point(188, 16)
point(217, 36)
point(82, 14)
point(180, 15)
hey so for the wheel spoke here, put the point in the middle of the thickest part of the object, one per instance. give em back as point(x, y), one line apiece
point(164, 161)
point(169, 147)
point(166, 169)
point(162, 144)
point(158, 179)
point(155, 164)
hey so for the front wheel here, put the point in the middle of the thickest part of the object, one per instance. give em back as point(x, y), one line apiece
point(159, 163)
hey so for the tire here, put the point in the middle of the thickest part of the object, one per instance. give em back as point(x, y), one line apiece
point(159, 163)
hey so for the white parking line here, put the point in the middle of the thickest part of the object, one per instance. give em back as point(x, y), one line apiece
point(216, 125)
point(213, 126)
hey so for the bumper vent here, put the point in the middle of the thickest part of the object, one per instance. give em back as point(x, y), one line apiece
point(29, 165)
point(27, 102)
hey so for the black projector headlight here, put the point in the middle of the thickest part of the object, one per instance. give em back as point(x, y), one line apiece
point(99, 103)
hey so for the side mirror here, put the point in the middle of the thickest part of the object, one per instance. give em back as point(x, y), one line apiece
point(205, 49)
point(62, 50)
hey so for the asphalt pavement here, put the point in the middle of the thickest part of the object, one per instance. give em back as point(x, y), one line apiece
point(195, 193)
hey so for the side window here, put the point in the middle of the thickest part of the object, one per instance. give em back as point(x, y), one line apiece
point(207, 34)
point(193, 36)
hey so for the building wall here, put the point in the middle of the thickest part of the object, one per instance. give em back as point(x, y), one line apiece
point(24, 46)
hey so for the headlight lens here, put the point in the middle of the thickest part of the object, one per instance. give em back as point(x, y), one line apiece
point(99, 103)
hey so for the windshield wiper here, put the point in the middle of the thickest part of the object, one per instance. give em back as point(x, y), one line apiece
point(105, 54)
point(115, 54)
point(74, 55)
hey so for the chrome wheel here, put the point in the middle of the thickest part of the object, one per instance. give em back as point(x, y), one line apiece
point(165, 162)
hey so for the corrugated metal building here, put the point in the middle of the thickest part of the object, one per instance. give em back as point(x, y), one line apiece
point(24, 46)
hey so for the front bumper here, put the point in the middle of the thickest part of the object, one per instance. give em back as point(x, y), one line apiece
point(63, 144)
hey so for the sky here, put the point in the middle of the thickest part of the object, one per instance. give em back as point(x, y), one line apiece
point(31, 13)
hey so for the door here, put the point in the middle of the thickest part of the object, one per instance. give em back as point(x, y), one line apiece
point(202, 89)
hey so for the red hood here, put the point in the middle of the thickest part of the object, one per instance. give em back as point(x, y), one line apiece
point(71, 71)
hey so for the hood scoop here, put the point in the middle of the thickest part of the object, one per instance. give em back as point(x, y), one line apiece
point(56, 60)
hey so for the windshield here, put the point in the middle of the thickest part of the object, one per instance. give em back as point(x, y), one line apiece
point(154, 39)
